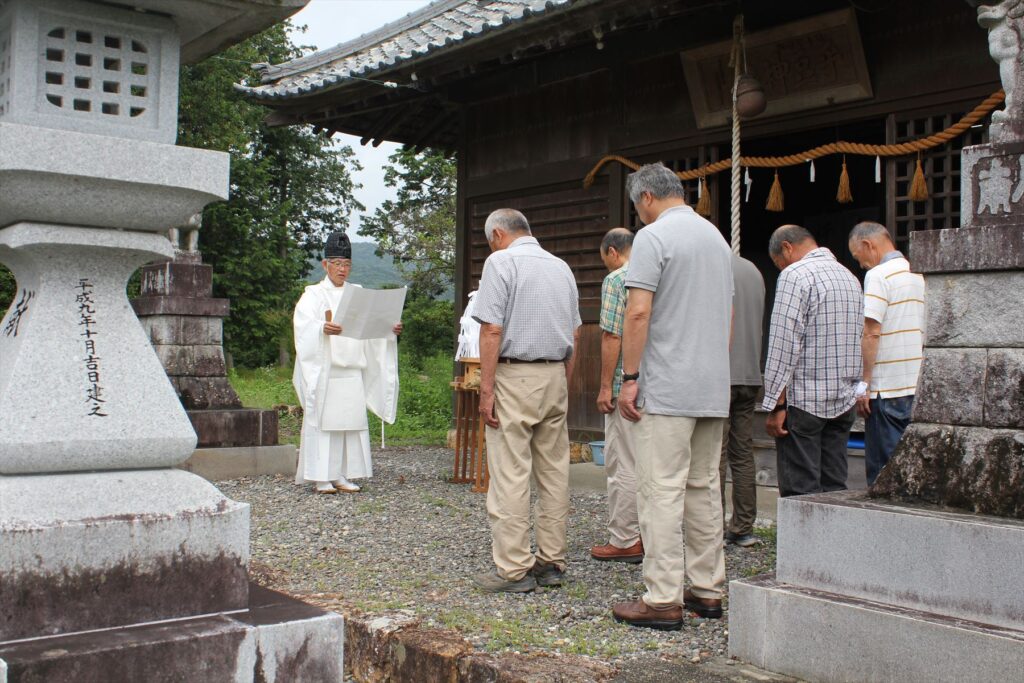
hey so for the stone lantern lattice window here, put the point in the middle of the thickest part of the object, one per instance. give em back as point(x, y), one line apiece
point(5, 67)
point(95, 73)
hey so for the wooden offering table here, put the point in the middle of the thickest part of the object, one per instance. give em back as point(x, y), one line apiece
point(470, 455)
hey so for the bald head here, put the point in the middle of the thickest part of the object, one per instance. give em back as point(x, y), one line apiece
point(789, 243)
point(869, 242)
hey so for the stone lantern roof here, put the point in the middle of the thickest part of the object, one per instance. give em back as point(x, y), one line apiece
point(209, 26)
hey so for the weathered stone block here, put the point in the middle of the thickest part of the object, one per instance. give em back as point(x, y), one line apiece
point(97, 550)
point(206, 393)
point(951, 388)
point(831, 542)
point(992, 185)
point(972, 468)
point(1004, 388)
point(179, 305)
point(162, 329)
point(976, 310)
point(197, 330)
point(276, 640)
point(173, 278)
point(989, 247)
point(223, 428)
point(218, 464)
point(192, 361)
point(829, 638)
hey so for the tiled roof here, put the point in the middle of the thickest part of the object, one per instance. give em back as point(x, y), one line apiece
point(442, 24)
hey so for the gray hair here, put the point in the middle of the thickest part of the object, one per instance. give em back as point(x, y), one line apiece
point(619, 239)
point(866, 230)
point(656, 179)
point(794, 234)
point(509, 220)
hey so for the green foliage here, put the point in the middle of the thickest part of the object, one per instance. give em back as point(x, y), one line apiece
point(289, 187)
point(424, 399)
point(429, 327)
point(418, 226)
point(7, 289)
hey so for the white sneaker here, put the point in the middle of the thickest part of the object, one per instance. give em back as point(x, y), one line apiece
point(345, 486)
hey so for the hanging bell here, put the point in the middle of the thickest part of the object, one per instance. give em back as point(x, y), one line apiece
point(750, 98)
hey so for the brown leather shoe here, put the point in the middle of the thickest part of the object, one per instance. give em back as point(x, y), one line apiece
point(639, 613)
point(609, 553)
point(709, 608)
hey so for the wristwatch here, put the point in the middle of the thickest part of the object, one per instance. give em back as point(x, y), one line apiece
point(779, 407)
point(630, 377)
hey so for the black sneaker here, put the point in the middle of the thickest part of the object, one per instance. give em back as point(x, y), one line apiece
point(746, 540)
point(547, 575)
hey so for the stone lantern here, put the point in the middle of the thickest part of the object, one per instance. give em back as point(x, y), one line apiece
point(98, 533)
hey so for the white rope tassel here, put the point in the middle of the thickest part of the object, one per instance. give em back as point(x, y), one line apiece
point(811, 161)
point(878, 169)
point(700, 188)
point(747, 182)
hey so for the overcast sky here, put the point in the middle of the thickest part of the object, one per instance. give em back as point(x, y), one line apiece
point(330, 22)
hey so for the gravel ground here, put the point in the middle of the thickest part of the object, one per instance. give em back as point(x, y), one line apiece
point(412, 541)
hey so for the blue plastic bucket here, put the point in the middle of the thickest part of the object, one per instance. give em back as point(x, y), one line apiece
point(597, 451)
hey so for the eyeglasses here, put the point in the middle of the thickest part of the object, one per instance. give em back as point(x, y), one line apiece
point(339, 263)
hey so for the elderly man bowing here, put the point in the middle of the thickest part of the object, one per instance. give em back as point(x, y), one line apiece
point(528, 308)
point(336, 379)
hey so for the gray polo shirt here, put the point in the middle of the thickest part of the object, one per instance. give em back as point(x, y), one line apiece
point(747, 322)
point(684, 260)
point(532, 295)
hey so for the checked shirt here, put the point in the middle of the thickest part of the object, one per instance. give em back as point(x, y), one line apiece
point(613, 314)
point(814, 346)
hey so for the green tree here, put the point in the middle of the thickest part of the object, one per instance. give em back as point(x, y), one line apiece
point(289, 187)
point(418, 227)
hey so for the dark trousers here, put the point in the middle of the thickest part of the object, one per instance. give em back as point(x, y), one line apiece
point(882, 431)
point(812, 457)
point(738, 456)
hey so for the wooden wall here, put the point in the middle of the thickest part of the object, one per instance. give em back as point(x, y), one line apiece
point(532, 134)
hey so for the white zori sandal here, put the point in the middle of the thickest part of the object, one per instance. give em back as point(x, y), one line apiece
point(345, 486)
point(324, 487)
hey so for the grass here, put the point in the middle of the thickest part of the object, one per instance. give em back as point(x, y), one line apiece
point(768, 535)
point(424, 400)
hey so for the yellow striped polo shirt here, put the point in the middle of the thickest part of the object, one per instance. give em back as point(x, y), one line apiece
point(895, 297)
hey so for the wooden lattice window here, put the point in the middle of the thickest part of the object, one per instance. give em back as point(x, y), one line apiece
point(686, 160)
point(941, 167)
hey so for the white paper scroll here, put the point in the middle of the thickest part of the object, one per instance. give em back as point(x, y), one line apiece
point(369, 313)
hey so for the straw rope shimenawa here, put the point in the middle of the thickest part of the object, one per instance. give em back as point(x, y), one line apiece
point(841, 147)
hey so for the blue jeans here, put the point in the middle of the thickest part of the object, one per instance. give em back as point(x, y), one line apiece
point(882, 431)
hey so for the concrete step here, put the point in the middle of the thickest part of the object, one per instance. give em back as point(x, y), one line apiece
point(830, 638)
point(955, 564)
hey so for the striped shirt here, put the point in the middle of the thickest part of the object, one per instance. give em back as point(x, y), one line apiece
point(894, 297)
point(532, 295)
point(814, 343)
point(613, 314)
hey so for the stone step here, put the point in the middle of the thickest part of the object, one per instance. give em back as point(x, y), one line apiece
point(949, 563)
point(277, 639)
point(829, 638)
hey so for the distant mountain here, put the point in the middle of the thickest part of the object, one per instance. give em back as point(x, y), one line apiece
point(368, 269)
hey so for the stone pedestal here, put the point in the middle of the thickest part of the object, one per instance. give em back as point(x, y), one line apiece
point(185, 325)
point(965, 447)
point(876, 591)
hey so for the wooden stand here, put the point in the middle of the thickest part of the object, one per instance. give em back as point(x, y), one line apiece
point(470, 456)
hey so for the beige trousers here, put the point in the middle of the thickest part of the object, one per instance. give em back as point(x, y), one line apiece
point(530, 402)
point(677, 481)
point(620, 466)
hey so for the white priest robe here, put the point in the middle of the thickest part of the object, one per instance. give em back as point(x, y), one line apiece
point(336, 379)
